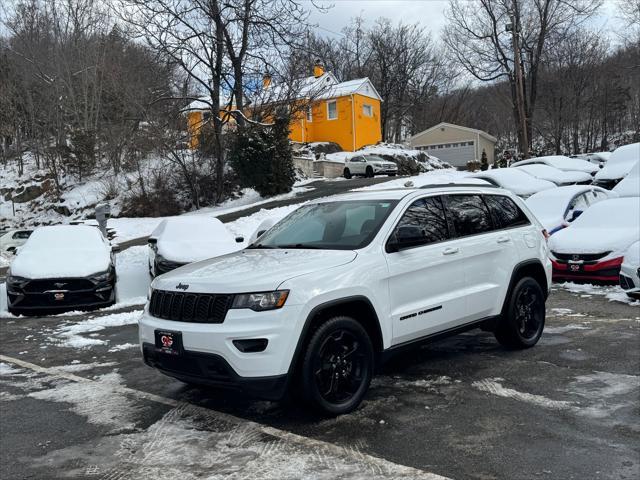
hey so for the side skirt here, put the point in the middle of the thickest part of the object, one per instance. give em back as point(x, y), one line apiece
point(486, 324)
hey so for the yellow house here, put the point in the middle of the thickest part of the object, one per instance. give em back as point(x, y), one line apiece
point(346, 113)
point(197, 114)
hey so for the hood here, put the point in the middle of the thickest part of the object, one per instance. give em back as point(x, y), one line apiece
point(252, 270)
point(593, 240)
point(37, 263)
point(188, 251)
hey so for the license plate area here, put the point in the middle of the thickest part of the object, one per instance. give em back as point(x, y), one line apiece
point(168, 342)
point(576, 267)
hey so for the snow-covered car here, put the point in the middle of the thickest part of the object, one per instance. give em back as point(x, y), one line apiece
point(558, 207)
point(618, 166)
point(592, 247)
point(598, 158)
point(368, 166)
point(629, 186)
point(341, 282)
point(630, 271)
point(557, 176)
point(265, 225)
point(11, 240)
point(515, 180)
point(561, 162)
point(177, 241)
point(62, 267)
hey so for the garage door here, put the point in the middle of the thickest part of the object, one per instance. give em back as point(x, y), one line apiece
point(456, 153)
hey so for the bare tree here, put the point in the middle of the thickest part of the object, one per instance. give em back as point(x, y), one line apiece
point(476, 36)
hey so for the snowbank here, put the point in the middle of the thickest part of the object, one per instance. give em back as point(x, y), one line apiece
point(612, 293)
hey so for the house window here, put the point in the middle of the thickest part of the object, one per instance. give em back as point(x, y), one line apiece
point(367, 110)
point(309, 113)
point(332, 110)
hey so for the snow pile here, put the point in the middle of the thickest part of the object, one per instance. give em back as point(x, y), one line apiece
point(132, 284)
point(70, 334)
point(611, 225)
point(62, 251)
point(612, 293)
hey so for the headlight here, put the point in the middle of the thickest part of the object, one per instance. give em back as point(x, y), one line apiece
point(14, 283)
point(167, 264)
point(261, 301)
point(101, 277)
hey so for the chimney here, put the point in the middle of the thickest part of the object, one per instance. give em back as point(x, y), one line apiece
point(318, 69)
point(266, 80)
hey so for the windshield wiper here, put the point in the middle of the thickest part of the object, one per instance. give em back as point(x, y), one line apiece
point(260, 245)
point(299, 245)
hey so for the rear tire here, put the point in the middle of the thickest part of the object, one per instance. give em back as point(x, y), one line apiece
point(523, 318)
point(347, 173)
point(337, 366)
point(369, 172)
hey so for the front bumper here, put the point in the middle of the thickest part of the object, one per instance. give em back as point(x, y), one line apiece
point(25, 302)
point(385, 171)
point(280, 328)
point(607, 271)
point(213, 370)
point(630, 280)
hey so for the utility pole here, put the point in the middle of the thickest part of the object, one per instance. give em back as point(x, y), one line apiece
point(513, 27)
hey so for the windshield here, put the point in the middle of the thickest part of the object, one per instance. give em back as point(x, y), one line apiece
point(374, 158)
point(345, 225)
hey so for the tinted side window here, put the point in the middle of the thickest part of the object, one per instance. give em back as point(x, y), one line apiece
point(505, 212)
point(425, 217)
point(469, 214)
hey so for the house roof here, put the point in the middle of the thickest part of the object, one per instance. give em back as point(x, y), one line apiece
point(323, 87)
point(475, 131)
point(203, 104)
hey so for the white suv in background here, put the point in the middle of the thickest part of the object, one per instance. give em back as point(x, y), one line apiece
point(339, 285)
point(369, 166)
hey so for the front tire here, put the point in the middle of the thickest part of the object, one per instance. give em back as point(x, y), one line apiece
point(523, 320)
point(347, 173)
point(337, 366)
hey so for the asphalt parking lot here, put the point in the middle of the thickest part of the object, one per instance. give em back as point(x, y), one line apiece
point(76, 401)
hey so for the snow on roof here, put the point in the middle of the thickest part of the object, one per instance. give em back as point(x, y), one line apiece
point(610, 225)
point(549, 206)
point(61, 251)
point(204, 103)
point(475, 131)
point(620, 162)
point(547, 172)
point(519, 182)
point(325, 86)
point(560, 162)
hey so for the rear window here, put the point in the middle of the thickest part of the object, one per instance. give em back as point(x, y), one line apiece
point(469, 214)
point(505, 212)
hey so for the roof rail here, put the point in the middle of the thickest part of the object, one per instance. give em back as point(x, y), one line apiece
point(452, 184)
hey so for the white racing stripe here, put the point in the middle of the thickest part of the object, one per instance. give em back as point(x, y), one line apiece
point(330, 454)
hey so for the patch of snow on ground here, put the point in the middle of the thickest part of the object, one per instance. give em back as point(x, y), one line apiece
point(123, 346)
point(69, 335)
point(6, 369)
point(614, 293)
point(495, 387)
point(81, 367)
point(96, 401)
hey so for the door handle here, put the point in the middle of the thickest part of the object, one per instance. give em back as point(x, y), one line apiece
point(450, 251)
point(503, 239)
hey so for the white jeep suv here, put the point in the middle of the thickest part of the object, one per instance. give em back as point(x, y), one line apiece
point(369, 166)
point(340, 284)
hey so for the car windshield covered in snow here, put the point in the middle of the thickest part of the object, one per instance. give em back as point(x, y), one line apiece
point(343, 225)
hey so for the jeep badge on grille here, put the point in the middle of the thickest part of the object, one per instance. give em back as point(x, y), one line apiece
point(182, 286)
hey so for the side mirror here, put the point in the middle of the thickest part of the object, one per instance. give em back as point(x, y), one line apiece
point(239, 239)
point(260, 233)
point(575, 214)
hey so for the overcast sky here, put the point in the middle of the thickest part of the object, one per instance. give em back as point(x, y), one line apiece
point(429, 13)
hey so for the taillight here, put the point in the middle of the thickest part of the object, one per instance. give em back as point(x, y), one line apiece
point(545, 234)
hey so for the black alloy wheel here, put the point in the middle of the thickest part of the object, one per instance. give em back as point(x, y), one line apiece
point(347, 173)
point(338, 366)
point(523, 320)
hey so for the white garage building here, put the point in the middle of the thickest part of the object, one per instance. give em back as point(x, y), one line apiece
point(455, 144)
